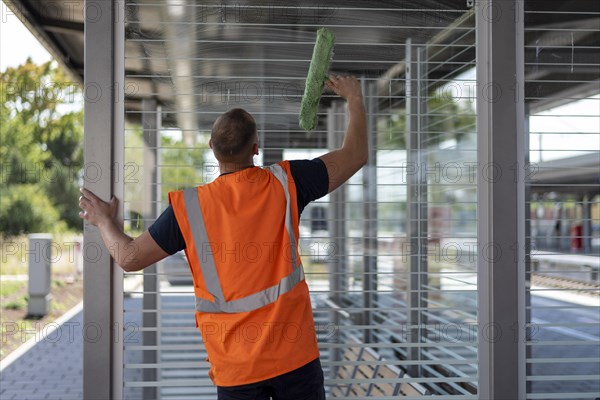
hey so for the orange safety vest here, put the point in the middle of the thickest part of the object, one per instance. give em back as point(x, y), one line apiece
point(252, 303)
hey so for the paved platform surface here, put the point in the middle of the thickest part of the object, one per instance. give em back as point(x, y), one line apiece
point(51, 370)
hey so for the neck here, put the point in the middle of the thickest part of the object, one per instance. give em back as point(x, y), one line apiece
point(228, 167)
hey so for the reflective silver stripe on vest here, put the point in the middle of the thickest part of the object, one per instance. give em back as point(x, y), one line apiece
point(203, 249)
point(209, 270)
point(254, 301)
point(282, 177)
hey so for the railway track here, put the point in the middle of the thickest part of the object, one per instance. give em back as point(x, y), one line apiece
point(588, 288)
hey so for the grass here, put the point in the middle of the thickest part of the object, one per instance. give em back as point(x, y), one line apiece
point(15, 326)
point(13, 295)
point(19, 304)
point(7, 288)
point(15, 257)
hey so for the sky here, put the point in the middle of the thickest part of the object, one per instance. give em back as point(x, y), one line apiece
point(12, 51)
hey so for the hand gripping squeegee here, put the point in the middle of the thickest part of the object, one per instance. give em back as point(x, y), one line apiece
point(317, 75)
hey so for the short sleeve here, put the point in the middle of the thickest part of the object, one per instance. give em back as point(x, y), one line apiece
point(312, 180)
point(166, 233)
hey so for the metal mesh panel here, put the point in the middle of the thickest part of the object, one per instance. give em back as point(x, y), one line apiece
point(562, 66)
point(390, 256)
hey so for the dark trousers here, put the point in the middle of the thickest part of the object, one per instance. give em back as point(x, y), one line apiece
point(304, 383)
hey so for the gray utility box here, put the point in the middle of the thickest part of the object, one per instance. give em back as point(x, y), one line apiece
point(40, 259)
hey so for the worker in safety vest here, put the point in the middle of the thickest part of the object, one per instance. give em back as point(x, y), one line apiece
point(240, 235)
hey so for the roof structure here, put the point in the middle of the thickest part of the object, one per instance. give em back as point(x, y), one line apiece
point(192, 59)
point(167, 51)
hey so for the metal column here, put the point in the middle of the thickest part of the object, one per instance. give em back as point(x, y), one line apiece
point(501, 199)
point(586, 220)
point(529, 240)
point(103, 157)
point(151, 123)
point(370, 235)
point(416, 132)
point(338, 265)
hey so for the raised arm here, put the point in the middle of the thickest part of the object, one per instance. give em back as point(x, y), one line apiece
point(130, 254)
point(342, 163)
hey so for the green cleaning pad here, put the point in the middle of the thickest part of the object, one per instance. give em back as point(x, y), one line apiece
point(317, 75)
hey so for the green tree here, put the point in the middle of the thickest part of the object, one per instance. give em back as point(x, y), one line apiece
point(182, 167)
point(446, 118)
point(41, 135)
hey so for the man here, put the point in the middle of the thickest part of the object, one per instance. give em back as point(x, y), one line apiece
point(240, 234)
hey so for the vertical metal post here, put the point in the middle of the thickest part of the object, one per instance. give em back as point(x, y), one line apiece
point(529, 242)
point(338, 265)
point(151, 136)
point(501, 199)
point(103, 157)
point(586, 220)
point(416, 122)
point(370, 246)
point(337, 210)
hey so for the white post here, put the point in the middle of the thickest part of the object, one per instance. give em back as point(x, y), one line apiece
point(40, 274)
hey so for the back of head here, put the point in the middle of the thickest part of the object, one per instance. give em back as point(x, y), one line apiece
point(233, 135)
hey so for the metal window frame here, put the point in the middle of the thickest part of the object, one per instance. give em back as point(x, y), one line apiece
point(103, 157)
point(370, 230)
point(500, 199)
point(336, 120)
point(416, 227)
point(337, 215)
point(151, 123)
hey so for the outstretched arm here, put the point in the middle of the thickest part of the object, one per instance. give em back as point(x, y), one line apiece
point(342, 163)
point(130, 254)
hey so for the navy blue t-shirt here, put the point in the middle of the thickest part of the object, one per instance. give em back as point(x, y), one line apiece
point(312, 182)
